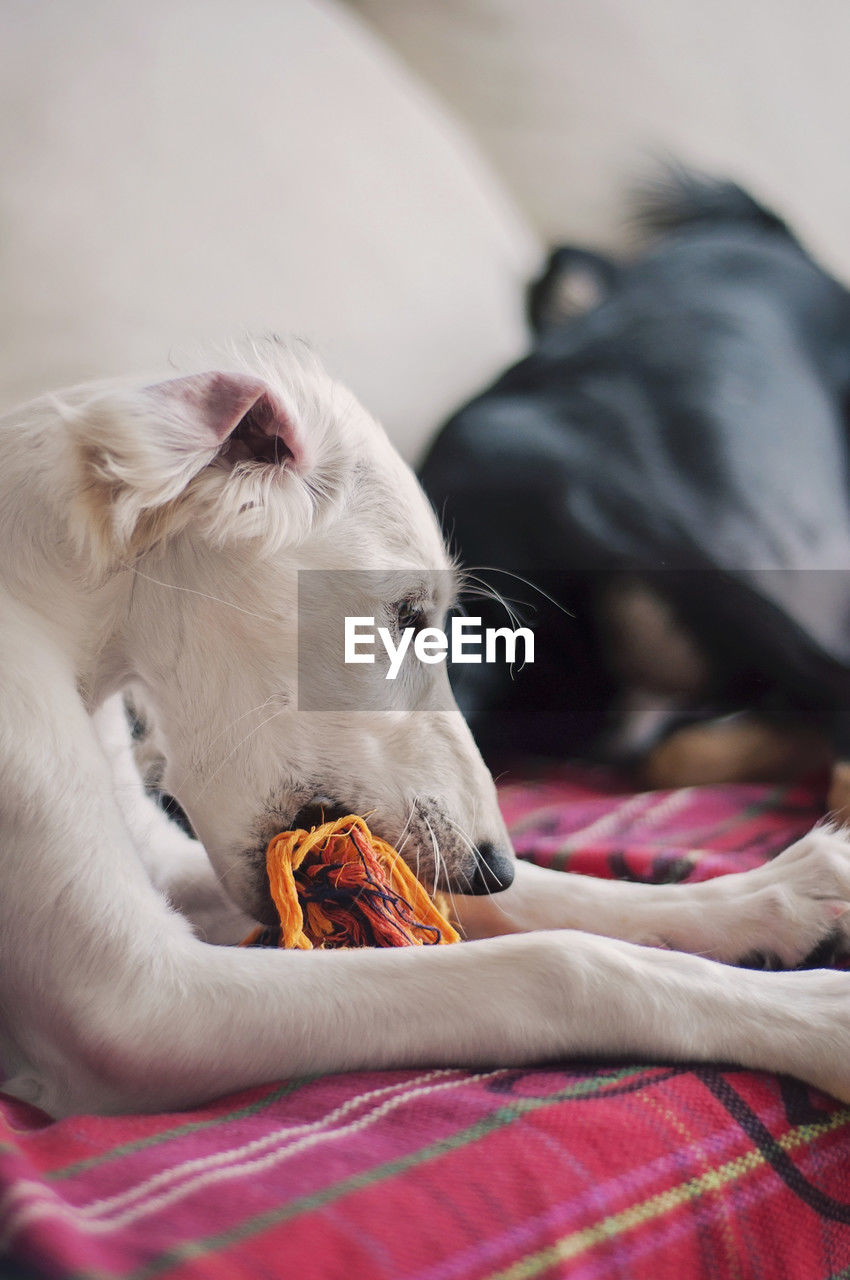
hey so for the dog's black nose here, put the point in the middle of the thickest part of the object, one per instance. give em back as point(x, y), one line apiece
point(494, 872)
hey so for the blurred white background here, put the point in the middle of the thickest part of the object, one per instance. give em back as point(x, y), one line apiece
point(379, 177)
point(570, 99)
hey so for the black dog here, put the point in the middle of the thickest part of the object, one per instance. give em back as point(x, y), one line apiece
point(671, 467)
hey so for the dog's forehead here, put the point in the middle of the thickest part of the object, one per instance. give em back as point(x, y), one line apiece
point(394, 515)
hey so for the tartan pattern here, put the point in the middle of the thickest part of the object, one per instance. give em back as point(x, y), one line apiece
point(587, 1170)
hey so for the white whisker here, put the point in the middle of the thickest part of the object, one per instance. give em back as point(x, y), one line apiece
point(205, 595)
point(437, 855)
point(485, 568)
point(232, 753)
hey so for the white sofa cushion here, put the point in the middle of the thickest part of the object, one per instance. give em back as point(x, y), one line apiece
point(573, 101)
point(179, 171)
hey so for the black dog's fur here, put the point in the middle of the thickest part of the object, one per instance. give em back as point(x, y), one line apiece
point(688, 434)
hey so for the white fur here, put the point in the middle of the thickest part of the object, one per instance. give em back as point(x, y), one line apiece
point(136, 556)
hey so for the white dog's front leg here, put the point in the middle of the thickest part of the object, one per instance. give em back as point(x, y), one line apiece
point(225, 1019)
point(781, 912)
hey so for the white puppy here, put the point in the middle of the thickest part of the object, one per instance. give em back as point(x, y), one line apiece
point(153, 538)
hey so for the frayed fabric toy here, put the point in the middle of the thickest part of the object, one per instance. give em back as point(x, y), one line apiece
point(338, 885)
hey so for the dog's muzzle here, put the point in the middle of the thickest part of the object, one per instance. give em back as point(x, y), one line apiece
point(494, 869)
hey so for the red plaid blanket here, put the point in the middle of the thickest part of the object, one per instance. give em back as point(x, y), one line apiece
point(586, 1170)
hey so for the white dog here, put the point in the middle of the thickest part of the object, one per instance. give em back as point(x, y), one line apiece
point(152, 538)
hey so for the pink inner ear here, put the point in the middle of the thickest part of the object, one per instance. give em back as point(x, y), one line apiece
point(233, 410)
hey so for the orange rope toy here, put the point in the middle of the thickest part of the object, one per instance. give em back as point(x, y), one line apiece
point(337, 885)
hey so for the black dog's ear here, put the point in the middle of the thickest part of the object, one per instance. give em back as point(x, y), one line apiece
point(574, 281)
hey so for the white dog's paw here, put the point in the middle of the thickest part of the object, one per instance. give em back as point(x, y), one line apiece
point(792, 912)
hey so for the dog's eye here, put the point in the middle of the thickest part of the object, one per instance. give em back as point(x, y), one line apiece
point(409, 614)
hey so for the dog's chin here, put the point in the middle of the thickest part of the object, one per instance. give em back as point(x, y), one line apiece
point(262, 910)
point(248, 887)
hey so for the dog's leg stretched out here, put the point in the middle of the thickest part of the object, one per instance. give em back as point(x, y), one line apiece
point(791, 911)
point(154, 537)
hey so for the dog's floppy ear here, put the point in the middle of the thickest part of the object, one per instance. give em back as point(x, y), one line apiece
point(203, 449)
